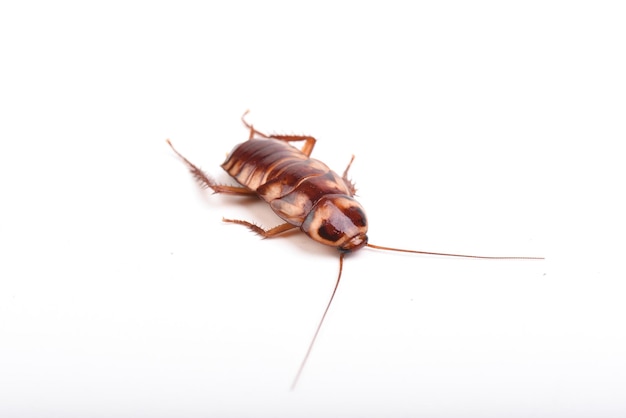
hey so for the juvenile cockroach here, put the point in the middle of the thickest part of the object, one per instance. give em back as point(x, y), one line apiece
point(305, 193)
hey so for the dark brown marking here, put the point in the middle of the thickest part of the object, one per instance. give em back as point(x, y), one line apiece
point(329, 232)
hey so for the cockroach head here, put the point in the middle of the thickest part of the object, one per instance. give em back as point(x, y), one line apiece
point(338, 221)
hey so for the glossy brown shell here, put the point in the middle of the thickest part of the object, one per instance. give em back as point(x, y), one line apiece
point(295, 185)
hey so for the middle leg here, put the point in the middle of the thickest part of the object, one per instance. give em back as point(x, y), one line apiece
point(265, 233)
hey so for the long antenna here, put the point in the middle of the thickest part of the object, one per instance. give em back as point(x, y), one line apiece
point(379, 247)
point(306, 356)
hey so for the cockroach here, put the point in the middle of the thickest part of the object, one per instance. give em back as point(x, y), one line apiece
point(305, 193)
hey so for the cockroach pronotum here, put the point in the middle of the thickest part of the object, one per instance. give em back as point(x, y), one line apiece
point(305, 193)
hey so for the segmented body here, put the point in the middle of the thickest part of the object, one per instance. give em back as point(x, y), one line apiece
point(301, 190)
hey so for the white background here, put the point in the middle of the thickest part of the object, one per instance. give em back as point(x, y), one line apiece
point(478, 128)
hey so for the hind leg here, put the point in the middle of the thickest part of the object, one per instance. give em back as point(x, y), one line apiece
point(309, 141)
point(207, 181)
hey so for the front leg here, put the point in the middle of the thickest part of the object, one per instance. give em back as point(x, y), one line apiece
point(349, 182)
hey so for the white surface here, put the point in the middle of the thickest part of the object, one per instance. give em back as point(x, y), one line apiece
point(482, 129)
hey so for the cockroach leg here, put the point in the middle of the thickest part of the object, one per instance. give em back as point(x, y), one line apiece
point(345, 178)
point(309, 141)
point(265, 233)
point(207, 181)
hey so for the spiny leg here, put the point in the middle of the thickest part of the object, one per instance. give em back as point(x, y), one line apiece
point(265, 233)
point(207, 181)
point(309, 141)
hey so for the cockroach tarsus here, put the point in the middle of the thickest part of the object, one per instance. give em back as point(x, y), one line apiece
point(305, 193)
